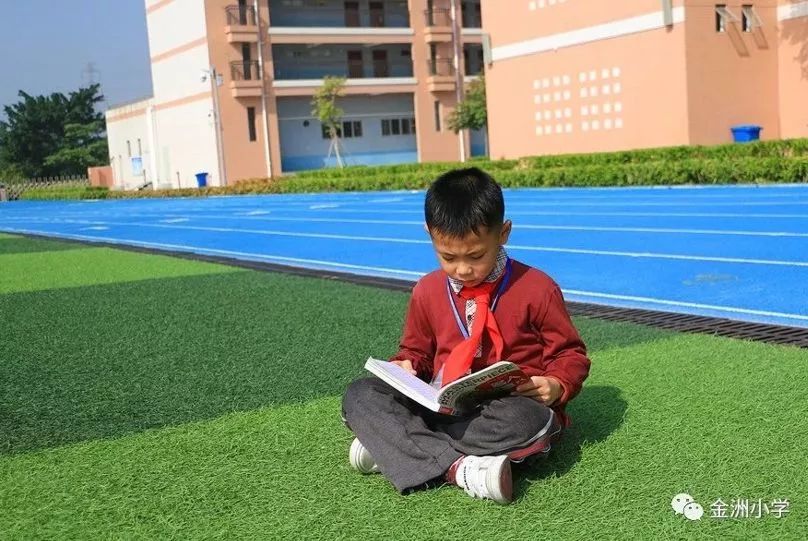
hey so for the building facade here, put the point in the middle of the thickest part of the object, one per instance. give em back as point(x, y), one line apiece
point(233, 82)
point(570, 76)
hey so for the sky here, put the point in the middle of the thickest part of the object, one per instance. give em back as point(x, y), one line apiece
point(46, 46)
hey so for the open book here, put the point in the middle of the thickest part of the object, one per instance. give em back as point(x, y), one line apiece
point(458, 397)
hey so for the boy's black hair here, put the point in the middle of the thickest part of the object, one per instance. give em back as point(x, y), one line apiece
point(461, 201)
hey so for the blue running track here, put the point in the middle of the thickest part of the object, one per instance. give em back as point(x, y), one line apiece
point(737, 252)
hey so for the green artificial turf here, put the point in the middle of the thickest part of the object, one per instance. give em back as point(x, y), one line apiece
point(149, 397)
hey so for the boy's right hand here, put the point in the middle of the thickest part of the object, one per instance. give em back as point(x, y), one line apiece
point(406, 364)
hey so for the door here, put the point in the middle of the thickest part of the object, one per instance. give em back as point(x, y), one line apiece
point(380, 66)
point(376, 14)
point(352, 14)
point(246, 61)
point(355, 65)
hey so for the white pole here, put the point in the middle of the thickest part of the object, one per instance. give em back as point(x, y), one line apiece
point(261, 74)
point(217, 120)
point(456, 36)
point(152, 141)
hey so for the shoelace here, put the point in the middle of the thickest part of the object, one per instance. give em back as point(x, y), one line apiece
point(474, 482)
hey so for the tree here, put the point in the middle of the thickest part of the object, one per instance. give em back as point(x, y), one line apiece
point(471, 113)
point(54, 135)
point(324, 108)
point(83, 146)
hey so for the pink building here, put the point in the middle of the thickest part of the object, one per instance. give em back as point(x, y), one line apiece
point(572, 76)
point(405, 64)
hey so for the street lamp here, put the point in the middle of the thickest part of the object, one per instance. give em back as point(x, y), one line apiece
point(215, 79)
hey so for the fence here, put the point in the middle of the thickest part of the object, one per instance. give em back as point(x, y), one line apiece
point(14, 188)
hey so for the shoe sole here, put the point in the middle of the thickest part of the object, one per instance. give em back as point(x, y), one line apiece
point(355, 458)
point(504, 480)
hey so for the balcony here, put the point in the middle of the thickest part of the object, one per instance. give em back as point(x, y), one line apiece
point(353, 61)
point(242, 26)
point(441, 75)
point(370, 86)
point(245, 79)
point(339, 14)
point(438, 25)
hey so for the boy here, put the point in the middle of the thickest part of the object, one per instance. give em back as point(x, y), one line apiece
point(481, 307)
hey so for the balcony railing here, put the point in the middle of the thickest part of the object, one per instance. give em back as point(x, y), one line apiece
point(313, 17)
point(441, 67)
point(245, 70)
point(438, 17)
point(240, 15)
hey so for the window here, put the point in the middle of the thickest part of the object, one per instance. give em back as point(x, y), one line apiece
point(139, 148)
point(350, 129)
point(437, 116)
point(326, 135)
point(251, 123)
point(749, 18)
point(398, 126)
point(720, 22)
point(129, 148)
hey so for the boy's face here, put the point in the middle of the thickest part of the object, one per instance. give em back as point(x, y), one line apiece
point(470, 259)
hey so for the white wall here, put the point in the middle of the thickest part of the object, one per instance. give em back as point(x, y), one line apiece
point(184, 135)
point(175, 24)
point(186, 144)
point(128, 138)
point(179, 76)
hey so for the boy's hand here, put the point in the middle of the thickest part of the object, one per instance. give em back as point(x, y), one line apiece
point(543, 389)
point(406, 365)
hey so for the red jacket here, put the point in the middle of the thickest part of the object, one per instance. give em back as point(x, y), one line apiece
point(538, 333)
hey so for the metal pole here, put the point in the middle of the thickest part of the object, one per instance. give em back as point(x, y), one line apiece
point(217, 120)
point(261, 74)
point(456, 36)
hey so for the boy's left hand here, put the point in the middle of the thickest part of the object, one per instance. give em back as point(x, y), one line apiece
point(543, 389)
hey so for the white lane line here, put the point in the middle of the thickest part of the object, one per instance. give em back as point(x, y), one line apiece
point(175, 220)
point(255, 213)
point(324, 206)
point(399, 272)
point(520, 226)
point(652, 300)
point(508, 214)
point(570, 213)
point(640, 255)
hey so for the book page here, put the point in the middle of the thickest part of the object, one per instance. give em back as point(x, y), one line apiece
point(400, 379)
point(497, 379)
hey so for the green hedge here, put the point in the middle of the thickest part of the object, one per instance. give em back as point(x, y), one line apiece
point(760, 162)
point(61, 192)
point(789, 148)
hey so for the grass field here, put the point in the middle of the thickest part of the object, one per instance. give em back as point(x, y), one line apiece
point(144, 396)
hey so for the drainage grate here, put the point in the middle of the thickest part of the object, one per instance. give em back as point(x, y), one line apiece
point(777, 334)
point(762, 332)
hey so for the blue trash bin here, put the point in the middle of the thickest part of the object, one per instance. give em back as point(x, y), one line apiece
point(745, 133)
point(202, 179)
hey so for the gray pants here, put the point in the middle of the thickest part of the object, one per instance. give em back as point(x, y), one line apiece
point(412, 445)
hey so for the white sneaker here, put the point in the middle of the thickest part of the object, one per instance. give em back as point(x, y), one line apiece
point(360, 458)
point(486, 477)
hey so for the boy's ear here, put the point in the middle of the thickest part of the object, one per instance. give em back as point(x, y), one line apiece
point(505, 232)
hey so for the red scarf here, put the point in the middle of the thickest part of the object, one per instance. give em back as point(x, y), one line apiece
point(461, 357)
